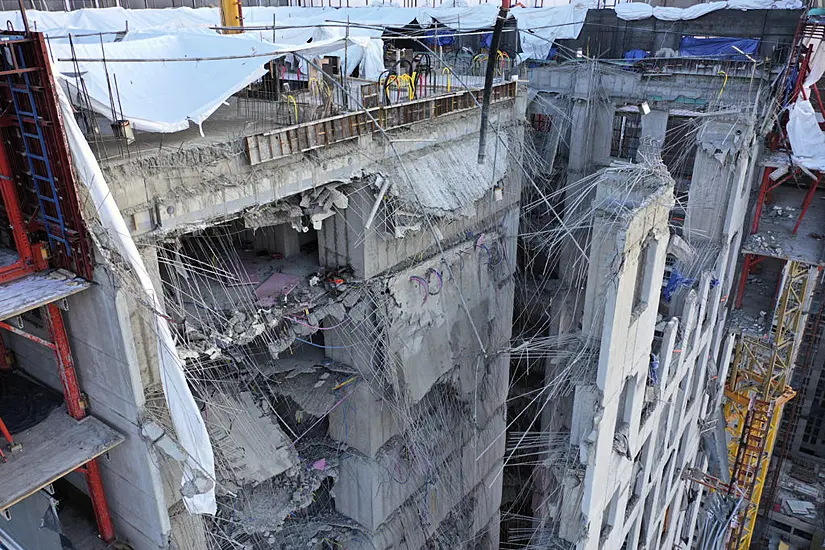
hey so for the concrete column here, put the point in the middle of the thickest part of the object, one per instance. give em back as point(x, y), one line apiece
point(287, 240)
point(577, 163)
point(654, 128)
point(716, 173)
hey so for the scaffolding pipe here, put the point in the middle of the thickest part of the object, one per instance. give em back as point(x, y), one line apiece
point(385, 184)
point(488, 79)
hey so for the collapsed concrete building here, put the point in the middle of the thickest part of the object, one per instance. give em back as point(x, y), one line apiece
point(389, 343)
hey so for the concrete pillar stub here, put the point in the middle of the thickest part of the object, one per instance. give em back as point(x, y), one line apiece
point(654, 128)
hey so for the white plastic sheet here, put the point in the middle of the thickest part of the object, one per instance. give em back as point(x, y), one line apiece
point(361, 51)
point(186, 418)
point(698, 10)
point(817, 64)
point(461, 19)
point(807, 140)
point(165, 96)
point(635, 11)
point(538, 28)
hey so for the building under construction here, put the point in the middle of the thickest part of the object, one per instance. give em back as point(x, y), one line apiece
point(412, 276)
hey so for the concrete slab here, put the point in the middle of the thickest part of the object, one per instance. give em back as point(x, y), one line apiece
point(775, 237)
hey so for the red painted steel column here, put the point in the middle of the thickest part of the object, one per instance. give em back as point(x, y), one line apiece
point(746, 270)
point(77, 409)
point(65, 363)
point(760, 200)
point(809, 196)
point(94, 481)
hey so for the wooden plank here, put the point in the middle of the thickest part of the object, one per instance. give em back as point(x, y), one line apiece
point(311, 135)
point(284, 144)
point(50, 450)
point(38, 289)
point(252, 150)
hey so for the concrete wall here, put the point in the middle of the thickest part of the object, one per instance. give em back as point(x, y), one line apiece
point(626, 336)
point(431, 344)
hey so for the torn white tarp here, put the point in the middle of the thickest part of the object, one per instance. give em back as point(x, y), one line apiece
point(186, 418)
point(539, 28)
point(362, 52)
point(162, 82)
point(807, 140)
point(816, 65)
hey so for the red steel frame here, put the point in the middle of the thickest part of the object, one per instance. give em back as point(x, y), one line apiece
point(765, 189)
point(32, 257)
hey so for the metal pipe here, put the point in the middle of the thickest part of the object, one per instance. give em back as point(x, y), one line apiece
point(385, 184)
point(77, 409)
point(24, 334)
point(488, 79)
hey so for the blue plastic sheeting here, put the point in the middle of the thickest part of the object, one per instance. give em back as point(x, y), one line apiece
point(719, 47)
point(634, 55)
point(486, 40)
point(443, 40)
point(654, 369)
point(676, 281)
point(552, 54)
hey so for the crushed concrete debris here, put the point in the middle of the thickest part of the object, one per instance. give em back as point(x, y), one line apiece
point(265, 507)
point(252, 446)
point(309, 209)
point(766, 242)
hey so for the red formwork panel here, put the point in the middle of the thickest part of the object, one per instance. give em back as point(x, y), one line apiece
point(24, 63)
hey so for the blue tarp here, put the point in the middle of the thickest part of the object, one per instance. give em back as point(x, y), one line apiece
point(719, 47)
point(654, 369)
point(447, 40)
point(635, 55)
point(675, 281)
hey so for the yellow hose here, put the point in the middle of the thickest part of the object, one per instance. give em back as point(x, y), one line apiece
point(406, 78)
point(449, 73)
point(723, 84)
point(392, 78)
point(294, 106)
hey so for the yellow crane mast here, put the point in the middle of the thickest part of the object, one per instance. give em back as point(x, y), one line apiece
point(756, 391)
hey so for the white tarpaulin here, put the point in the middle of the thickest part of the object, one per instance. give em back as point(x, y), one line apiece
point(361, 51)
point(816, 64)
point(162, 82)
point(461, 19)
point(635, 11)
point(186, 418)
point(807, 140)
point(538, 28)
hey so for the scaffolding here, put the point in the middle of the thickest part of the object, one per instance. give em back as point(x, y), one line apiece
point(49, 238)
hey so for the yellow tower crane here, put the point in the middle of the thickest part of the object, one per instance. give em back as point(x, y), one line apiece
point(756, 391)
point(232, 16)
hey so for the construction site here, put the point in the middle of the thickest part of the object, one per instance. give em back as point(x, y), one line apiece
point(410, 275)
